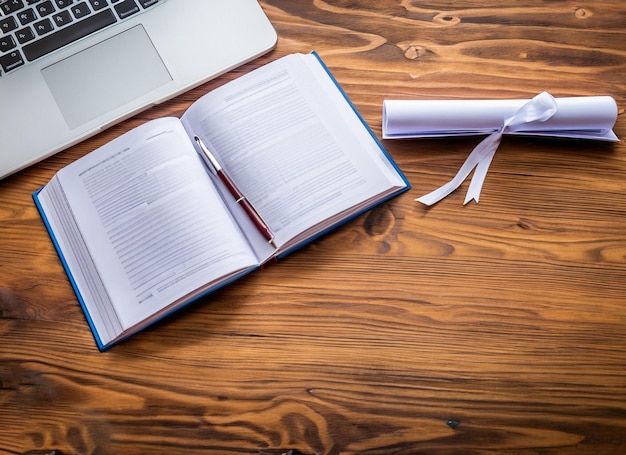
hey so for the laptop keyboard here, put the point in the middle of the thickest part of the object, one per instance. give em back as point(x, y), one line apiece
point(30, 29)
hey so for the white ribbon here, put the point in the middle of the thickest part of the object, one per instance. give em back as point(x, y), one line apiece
point(539, 109)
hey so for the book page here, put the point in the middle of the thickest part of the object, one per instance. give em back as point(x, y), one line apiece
point(153, 222)
point(293, 145)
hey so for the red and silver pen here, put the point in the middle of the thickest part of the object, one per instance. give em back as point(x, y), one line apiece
point(216, 168)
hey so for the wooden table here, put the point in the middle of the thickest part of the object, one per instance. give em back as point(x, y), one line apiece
point(486, 328)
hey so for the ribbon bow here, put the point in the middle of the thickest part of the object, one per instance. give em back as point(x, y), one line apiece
point(539, 109)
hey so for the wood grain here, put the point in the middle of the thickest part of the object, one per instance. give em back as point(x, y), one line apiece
point(497, 327)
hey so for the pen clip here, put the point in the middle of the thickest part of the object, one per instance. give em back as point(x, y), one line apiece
point(214, 165)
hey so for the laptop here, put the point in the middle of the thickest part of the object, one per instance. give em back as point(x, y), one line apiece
point(71, 68)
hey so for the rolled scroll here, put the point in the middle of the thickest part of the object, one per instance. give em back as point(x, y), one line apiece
point(590, 117)
point(584, 117)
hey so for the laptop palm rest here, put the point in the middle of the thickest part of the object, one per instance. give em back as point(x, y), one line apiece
point(106, 76)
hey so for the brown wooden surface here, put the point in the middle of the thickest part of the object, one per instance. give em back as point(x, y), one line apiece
point(497, 327)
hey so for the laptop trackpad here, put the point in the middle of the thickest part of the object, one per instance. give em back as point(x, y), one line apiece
point(106, 76)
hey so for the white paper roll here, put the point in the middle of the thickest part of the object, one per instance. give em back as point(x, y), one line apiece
point(586, 117)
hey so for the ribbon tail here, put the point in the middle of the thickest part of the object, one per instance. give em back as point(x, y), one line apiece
point(435, 196)
point(488, 151)
point(486, 148)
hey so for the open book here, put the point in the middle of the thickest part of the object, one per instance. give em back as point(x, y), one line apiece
point(146, 224)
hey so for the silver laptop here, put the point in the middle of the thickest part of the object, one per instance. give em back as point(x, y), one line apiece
point(70, 68)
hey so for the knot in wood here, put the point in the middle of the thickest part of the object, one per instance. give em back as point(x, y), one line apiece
point(582, 13)
point(446, 19)
point(415, 52)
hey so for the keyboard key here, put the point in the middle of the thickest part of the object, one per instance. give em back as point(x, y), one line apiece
point(126, 8)
point(62, 18)
point(11, 6)
point(44, 9)
point(68, 34)
point(43, 27)
point(11, 61)
point(80, 10)
point(7, 24)
point(97, 5)
point(63, 3)
point(27, 16)
point(7, 43)
point(25, 35)
point(148, 3)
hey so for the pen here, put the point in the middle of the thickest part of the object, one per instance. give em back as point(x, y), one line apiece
point(216, 168)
